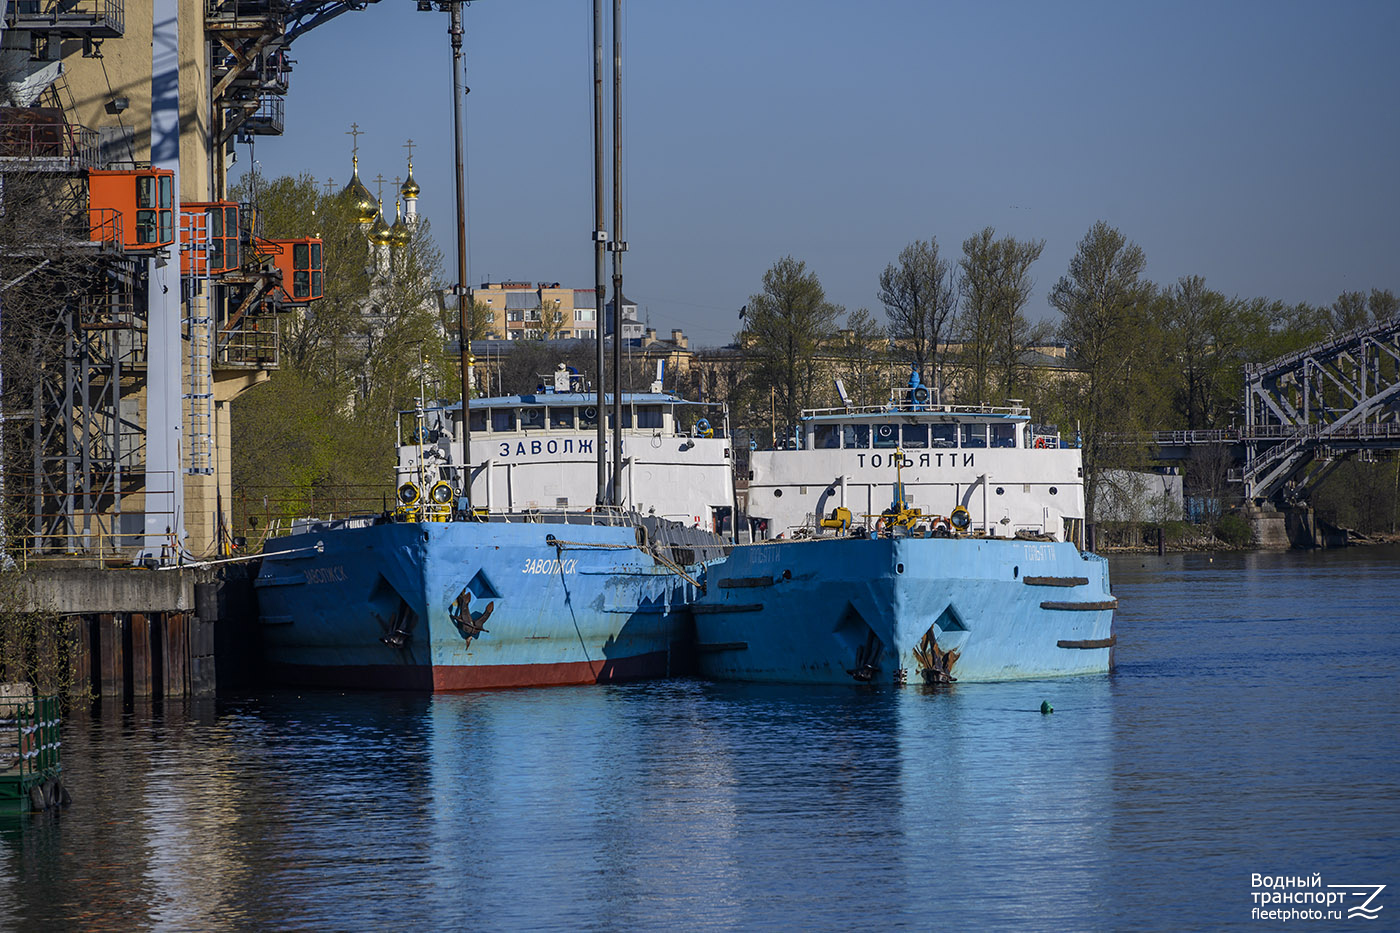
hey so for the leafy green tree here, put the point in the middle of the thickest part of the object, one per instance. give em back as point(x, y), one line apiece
point(320, 336)
point(1357, 309)
point(1384, 304)
point(789, 323)
point(920, 296)
point(995, 286)
point(325, 422)
point(1349, 312)
point(1104, 302)
point(1206, 338)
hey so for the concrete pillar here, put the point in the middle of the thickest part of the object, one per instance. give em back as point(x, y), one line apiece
point(165, 478)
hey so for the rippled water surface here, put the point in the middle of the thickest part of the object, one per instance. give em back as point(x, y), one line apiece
point(1252, 726)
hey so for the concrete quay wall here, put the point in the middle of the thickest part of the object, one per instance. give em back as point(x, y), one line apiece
point(153, 633)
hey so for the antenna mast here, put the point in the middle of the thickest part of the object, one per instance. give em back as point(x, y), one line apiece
point(619, 246)
point(464, 297)
point(600, 242)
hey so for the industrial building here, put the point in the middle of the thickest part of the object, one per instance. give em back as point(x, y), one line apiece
point(136, 300)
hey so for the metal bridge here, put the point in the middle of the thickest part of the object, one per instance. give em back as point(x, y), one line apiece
point(1320, 405)
point(1308, 411)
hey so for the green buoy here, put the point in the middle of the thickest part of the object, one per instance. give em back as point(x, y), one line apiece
point(1045, 707)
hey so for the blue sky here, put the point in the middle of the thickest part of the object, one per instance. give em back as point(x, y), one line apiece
point(1254, 143)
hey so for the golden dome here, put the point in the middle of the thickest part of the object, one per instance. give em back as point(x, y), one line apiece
point(409, 189)
point(362, 203)
point(380, 234)
point(399, 234)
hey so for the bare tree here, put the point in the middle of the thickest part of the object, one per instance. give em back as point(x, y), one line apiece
point(863, 350)
point(920, 298)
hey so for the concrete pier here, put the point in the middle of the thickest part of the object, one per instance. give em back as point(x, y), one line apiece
point(1270, 527)
point(1292, 527)
point(154, 633)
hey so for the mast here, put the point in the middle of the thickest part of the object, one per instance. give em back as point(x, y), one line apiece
point(600, 242)
point(618, 247)
point(464, 298)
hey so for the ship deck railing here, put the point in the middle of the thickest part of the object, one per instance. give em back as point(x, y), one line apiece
point(602, 515)
point(916, 408)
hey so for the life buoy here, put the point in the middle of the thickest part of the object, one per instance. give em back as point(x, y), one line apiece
point(886, 430)
point(1040, 443)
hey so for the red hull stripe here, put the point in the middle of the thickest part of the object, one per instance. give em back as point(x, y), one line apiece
point(476, 677)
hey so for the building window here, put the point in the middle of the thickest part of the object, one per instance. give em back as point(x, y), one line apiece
point(583, 314)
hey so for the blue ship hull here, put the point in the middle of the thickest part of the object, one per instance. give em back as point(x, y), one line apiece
point(905, 609)
point(462, 605)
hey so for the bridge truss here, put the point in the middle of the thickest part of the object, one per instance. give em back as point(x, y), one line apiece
point(1306, 412)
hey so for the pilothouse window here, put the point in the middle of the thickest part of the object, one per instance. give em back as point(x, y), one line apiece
point(649, 417)
point(826, 437)
point(561, 417)
point(502, 419)
point(855, 436)
point(886, 436)
point(974, 435)
point(915, 436)
point(944, 435)
point(1003, 435)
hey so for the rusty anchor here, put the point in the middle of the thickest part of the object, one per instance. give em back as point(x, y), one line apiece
point(935, 664)
point(470, 624)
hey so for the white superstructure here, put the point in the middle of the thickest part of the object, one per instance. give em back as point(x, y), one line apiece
point(1011, 476)
point(540, 452)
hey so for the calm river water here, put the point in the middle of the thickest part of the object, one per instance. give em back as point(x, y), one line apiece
point(1252, 726)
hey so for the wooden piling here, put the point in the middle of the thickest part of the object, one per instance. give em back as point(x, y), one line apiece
point(142, 675)
point(177, 652)
point(111, 656)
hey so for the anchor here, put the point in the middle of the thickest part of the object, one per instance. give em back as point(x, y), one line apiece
point(470, 624)
point(867, 659)
point(935, 664)
point(398, 635)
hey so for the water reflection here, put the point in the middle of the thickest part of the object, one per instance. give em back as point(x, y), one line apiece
point(1251, 726)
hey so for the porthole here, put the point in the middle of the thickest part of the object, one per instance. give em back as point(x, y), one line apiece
point(898, 568)
point(1015, 571)
point(1053, 490)
point(777, 494)
point(1000, 490)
